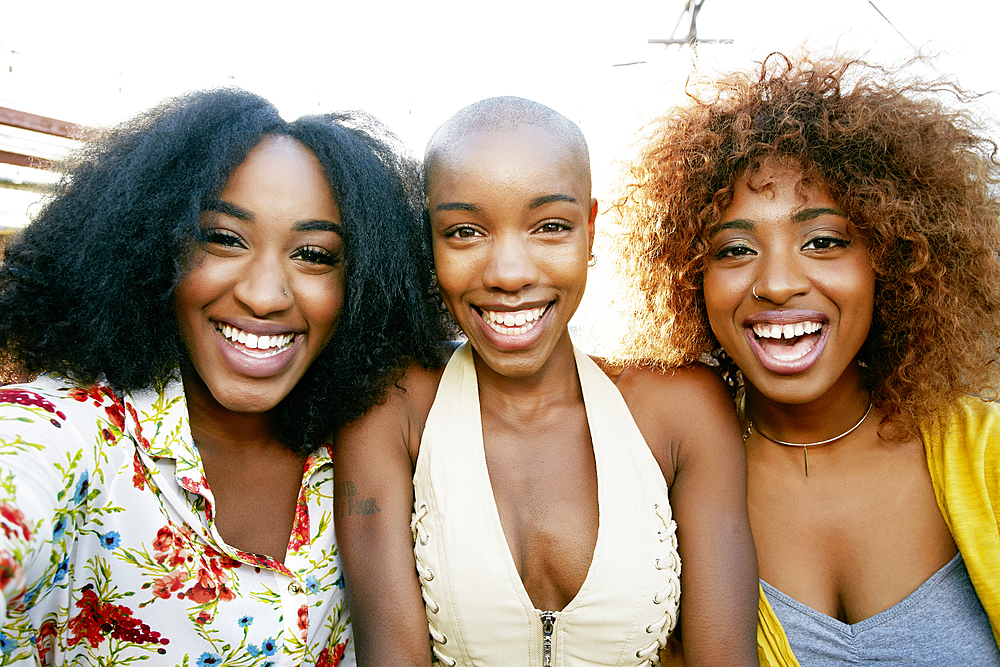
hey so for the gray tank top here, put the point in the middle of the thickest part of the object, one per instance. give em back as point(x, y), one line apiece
point(940, 623)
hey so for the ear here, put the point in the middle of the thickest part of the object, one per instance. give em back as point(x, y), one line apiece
point(590, 222)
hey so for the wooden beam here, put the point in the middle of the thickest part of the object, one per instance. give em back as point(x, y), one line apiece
point(36, 123)
point(19, 160)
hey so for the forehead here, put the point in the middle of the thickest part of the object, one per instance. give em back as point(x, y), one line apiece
point(526, 159)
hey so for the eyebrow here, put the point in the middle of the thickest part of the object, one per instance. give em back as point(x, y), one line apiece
point(457, 206)
point(548, 199)
point(319, 226)
point(234, 211)
point(812, 213)
point(805, 215)
point(224, 207)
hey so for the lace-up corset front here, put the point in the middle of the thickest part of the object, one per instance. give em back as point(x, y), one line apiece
point(477, 608)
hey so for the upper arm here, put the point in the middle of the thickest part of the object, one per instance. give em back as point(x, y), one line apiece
point(373, 471)
point(689, 421)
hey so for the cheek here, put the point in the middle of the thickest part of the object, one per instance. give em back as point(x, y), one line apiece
point(321, 301)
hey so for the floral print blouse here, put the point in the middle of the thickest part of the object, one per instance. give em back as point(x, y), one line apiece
point(109, 554)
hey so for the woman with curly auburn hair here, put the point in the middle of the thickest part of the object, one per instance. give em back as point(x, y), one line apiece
point(212, 292)
point(829, 233)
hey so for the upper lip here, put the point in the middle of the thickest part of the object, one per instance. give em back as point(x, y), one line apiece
point(505, 308)
point(791, 316)
point(257, 328)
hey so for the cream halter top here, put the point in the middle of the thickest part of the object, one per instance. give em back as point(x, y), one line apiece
point(478, 610)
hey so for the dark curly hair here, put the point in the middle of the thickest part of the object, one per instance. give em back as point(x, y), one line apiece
point(917, 178)
point(86, 289)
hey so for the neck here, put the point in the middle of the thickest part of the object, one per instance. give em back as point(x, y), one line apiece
point(556, 382)
point(214, 425)
point(830, 416)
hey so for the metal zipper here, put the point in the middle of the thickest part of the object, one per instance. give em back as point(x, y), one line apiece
point(548, 624)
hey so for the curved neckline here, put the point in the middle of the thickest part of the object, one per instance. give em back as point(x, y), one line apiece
point(855, 629)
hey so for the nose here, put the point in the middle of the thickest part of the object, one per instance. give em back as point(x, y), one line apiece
point(263, 286)
point(781, 277)
point(511, 265)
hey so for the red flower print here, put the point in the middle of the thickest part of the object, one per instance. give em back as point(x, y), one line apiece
point(45, 643)
point(169, 547)
point(304, 621)
point(28, 398)
point(328, 658)
point(139, 475)
point(169, 583)
point(10, 570)
point(203, 618)
point(300, 528)
point(116, 415)
point(13, 522)
point(211, 584)
point(143, 442)
point(97, 620)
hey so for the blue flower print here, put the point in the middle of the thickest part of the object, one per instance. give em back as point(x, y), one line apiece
point(209, 659)
point(110, 540)
point(82, 486)
point(268, 647)
point(58, 528)
point(312, 584)
point(7, 645)
point(253, 650)
point(61, 570)
point(245, 621)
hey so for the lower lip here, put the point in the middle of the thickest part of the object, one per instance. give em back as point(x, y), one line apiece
point(513, 341)
point(781, 367)
point(254, 366)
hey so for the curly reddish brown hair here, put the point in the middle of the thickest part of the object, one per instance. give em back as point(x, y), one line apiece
point(917, 177)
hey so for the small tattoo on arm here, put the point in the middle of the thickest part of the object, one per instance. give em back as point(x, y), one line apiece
point(346, 502)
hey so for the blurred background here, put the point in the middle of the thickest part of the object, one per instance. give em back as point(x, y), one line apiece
point(413, 64)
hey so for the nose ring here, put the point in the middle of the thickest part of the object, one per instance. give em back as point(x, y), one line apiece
point(754, 292)
point(285, 292)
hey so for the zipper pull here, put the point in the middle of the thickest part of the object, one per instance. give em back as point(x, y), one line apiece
point(548, 624)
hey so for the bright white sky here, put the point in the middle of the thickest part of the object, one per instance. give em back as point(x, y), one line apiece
point(413, 63)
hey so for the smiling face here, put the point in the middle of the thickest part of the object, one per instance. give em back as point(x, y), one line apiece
point(262, 297)
point(815, 288)
point(512, 223)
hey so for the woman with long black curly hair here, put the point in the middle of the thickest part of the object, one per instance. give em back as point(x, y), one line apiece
point(829, 232)
point(212, 291)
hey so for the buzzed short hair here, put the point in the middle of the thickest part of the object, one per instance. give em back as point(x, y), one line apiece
point(505, 113)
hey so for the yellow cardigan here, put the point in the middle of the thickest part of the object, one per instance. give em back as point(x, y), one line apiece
point(963, 456)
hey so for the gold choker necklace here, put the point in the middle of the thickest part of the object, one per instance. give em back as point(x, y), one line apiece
point(804, 445)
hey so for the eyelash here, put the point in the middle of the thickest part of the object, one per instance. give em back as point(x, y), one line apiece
point(221, 237)
point(310, 254)
point(818, 243)
point(316, 255)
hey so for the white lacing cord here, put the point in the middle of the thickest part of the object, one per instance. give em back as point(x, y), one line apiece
point(417, 526)
point(426, 574)
point(662, 626)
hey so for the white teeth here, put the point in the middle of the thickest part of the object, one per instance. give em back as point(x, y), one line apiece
point(787, 331)
point(513, 322)
point(254, 342)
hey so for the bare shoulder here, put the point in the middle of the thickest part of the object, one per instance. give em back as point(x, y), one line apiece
point(400, 418)
point(676, 408)
point(647, 388)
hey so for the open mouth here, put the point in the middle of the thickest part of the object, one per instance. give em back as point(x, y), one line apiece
point(787, 342)
point(262, 346)
point(512, 322)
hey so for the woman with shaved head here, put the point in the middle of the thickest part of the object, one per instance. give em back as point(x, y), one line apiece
point(525, 505)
